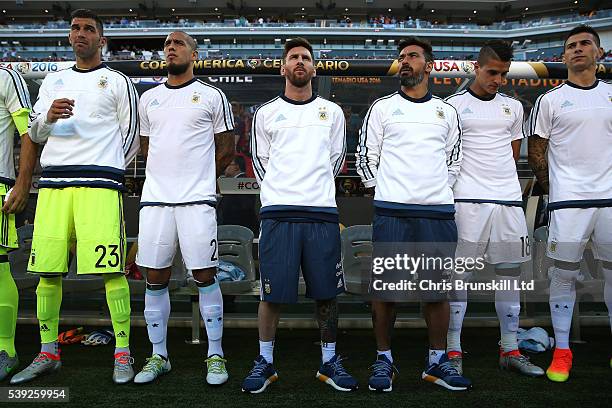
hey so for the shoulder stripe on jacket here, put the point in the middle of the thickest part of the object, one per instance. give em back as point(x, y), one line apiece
point(228, 117)
point(257, 165)
point(20, 89)
point(340, 161)
point(536, 107)
point(363, 143)
point(133, 119)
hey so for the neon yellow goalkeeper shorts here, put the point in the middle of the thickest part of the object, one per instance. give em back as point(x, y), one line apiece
point(93, 217)
point(8, 233)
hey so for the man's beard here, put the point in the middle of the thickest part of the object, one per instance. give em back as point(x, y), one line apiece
point(299, 82)
point(177, 69)
point(86, 54)
point(412, 80)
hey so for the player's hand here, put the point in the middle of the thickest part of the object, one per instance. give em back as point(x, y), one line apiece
point(60, 109)
point(16, 199)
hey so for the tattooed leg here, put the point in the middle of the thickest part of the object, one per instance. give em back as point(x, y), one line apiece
point(327, 318)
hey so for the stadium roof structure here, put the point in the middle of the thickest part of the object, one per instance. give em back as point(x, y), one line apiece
point(477, 11)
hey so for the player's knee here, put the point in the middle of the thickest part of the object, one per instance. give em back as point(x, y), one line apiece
point(158, 288)
point(205, 277)
point(158, 276)
point(118, 297)
point(326, 302)
point(508, 269)
point(569, 266)
point(207, 285)
point(563, 276)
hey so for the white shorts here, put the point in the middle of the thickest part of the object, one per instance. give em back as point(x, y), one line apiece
point(571, 228)
point(494, 231)
point(195, 228)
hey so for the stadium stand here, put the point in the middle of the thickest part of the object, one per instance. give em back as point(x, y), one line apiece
point(232, 38)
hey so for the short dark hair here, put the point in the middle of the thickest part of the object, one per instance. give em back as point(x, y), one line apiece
point(495, 49)
point(424, 44)
point(297, 42)
point(86, 13)
point(583, 28)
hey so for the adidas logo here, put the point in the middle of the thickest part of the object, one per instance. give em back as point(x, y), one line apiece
point(43, 327)
point(280, 117)
point(59, 82)
point(340, 283)
point(121, 334)
point(566, 104)
point(466, 111)
point(398, 112)
point(154, 103)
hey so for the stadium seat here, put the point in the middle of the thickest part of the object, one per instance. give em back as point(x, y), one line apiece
point(356, 257)
point(19, 258)
point(235, 245)
point(81, 283)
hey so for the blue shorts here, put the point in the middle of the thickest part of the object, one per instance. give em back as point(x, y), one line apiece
point(287, 246)
point(432, 240)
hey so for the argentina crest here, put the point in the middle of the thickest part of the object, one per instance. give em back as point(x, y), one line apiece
point(323, 113)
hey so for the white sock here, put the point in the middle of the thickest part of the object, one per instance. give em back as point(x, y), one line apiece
point(51, 348)
point(211, 309)
point(508, 308)
point(455, 323)
point(435, 356)
point(386, 353)
point(328, 351)
point(157, 314)
point(562, 299)
point(266, 349)
point(608, 291)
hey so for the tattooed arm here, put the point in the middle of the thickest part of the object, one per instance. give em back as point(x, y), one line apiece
point(537, 159)
point(224, 150)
